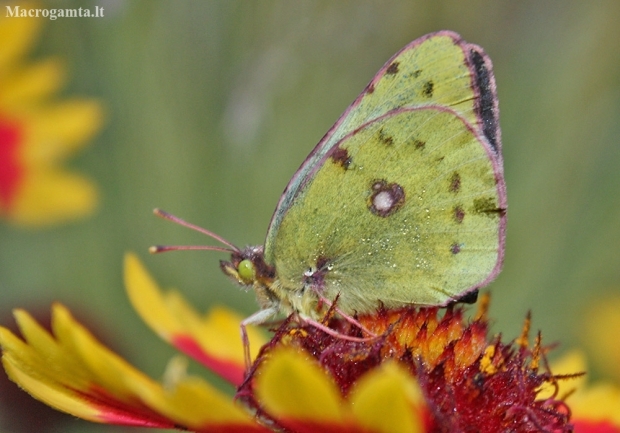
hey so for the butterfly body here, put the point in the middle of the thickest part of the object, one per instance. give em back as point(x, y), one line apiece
point(402, 202)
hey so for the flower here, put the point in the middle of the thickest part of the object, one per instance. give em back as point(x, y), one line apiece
point(599, 318)
point(19, 412)
point(72, 372)
point(595, 408)
point(36, 134)
point(468, 383)
point(424, 370)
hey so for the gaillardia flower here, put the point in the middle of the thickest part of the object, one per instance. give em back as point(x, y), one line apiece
point(424, 370)
point(37, 134)
point(594, 408)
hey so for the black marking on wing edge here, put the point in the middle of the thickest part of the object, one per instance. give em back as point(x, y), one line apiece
point(488, 206)
point(392, 69)
point(469, 297)
point(486, 105)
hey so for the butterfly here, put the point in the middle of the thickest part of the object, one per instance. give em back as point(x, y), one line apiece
point(402, 202)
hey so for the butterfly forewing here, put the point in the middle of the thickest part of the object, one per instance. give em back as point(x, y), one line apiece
point(434, 71)
point(437, 69)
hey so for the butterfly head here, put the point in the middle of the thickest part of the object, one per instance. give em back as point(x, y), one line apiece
point(248, 268)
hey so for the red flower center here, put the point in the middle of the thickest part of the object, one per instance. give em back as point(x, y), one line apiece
point(10, 169)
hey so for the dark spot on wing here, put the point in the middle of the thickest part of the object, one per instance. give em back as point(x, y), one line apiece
point(459, 214)
point(428, 89)
point(455, 248)
point(315, 277)
point(418, 144)
point(416, 73)
point(370, 89)
point(341, 157)
point(487, 205)
point(386, 198)
point(393, 68)
point(321, 262)
point(485, 105)
point(455, 182)
point(385, 138)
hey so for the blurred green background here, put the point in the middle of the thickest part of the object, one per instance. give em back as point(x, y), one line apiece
point(212, 105)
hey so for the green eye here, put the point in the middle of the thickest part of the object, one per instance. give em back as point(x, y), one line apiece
point(246, 270)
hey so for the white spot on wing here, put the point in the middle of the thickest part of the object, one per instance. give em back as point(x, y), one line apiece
point(383, 201)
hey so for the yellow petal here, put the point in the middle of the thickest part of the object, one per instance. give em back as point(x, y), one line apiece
point(146, 297)
point(291, 386)
point(168, 314)
point(21, 32)
point(52, 196)
point(57, 131)
point(41, 374)
point(573, 362)
point(50, 393)
point(388, 400)
point(599, 331)
point(105, 368)
point(31, 84)
point(597, 403)
point(76, 374)
point(42, 357)
point(195, 403)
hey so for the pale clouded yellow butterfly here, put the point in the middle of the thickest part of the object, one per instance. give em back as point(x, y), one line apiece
point(402, 202)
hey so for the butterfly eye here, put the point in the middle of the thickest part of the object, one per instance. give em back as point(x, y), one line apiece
point(246, 270)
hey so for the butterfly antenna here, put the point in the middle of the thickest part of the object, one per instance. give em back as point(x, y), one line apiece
point(164, 248)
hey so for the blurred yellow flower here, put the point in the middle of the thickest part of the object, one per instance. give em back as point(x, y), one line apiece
point(595, 408)
point(37, 134)
point(599, 332)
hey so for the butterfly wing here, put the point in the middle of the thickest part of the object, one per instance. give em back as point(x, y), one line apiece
point(403, 200)
point(437, 69)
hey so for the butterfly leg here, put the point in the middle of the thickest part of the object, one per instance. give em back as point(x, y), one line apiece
point(345, 316)
point(257, 318)
point(335, 333)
